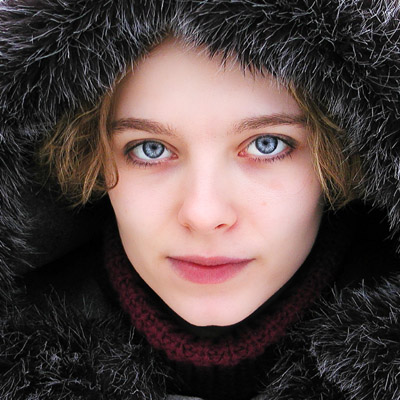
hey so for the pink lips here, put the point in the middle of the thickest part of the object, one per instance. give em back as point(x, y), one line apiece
point(207, 270)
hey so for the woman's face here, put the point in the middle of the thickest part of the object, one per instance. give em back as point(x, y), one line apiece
point(212, 163)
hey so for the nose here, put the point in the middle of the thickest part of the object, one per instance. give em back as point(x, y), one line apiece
point(206, 205)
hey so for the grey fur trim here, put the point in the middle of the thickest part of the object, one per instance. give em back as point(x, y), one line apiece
point(177, 397)
point(62, 353)
point(364, 359)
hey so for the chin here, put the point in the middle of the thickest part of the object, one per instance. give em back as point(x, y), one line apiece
point(208, 319)
point(212, 309)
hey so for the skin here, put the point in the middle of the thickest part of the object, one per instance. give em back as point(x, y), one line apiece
point(208, 195)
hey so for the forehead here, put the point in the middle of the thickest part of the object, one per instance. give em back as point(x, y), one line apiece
point(200, 55)
point(177, 81)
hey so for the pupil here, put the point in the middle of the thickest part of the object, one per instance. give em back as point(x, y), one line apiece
point(153, 149)
point(267, 144)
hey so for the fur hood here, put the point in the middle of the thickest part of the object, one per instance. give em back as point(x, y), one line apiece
point(57, 55)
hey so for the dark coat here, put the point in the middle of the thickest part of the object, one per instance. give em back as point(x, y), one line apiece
point(62, 335)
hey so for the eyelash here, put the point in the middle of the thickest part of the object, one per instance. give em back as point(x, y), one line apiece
point(144, 164)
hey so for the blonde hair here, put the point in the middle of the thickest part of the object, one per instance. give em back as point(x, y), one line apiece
point(338, 170)
point(79, 156)
point(76, 156)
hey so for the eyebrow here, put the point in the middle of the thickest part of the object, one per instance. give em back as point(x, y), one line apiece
point(155, 127)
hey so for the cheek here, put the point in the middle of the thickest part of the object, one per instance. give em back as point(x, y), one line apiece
point(299, 219)
point(300, 196)
point(284, 186)
point(296, 180)
point(289, 196)
point(297, 203)
point(140, 207)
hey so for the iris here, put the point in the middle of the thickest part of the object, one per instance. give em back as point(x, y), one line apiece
point(153, 149)
point(266, 144)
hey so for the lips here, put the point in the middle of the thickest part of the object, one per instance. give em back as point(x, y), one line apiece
point(207, 270)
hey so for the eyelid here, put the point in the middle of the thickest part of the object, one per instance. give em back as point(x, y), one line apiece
point(290, 141)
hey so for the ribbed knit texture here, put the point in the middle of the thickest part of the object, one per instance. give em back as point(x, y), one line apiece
point(212, 367)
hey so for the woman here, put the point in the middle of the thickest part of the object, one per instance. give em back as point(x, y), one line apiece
point(235, 168)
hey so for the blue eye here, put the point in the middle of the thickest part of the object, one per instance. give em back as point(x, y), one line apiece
point(150, 150)
point(267, 146)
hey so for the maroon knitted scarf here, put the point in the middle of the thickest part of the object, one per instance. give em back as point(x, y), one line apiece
point(246, 340)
